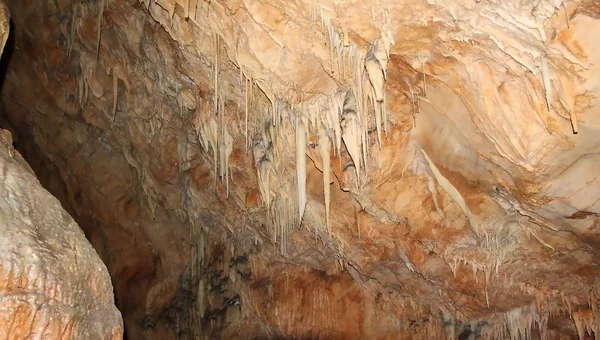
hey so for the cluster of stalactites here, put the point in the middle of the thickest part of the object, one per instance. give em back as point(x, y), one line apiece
point(213, 132)
point(333, 123)
point(336, 119)
point(515, 324)
point(366, 72)
point(276, 188)
point(332, 120)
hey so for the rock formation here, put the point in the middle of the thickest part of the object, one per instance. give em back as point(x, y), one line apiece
point(53, 285)
point(334, 169)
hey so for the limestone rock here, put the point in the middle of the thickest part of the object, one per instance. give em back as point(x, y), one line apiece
point(463, 182)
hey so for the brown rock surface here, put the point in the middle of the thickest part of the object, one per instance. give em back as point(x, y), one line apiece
point(461, 136)
point(53, 285)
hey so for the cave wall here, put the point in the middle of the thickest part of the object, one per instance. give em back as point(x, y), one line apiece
point(52, 282)
point(53, 285)
point(169, 131)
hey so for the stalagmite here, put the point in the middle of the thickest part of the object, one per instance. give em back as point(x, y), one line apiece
point(324, 147)
point(301, 167)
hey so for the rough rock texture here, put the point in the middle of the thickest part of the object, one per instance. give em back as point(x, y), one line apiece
point(53, 285)
point(447, 152)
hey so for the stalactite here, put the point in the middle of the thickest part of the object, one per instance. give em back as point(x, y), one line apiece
point(80, 90)
point(566, 13)
point(520, 321)
point(201, 245)
point(574, 121)
point(351, 135)
point(487, 274)
point(567, 303)
point(332, 44)
point(540, 28)
point(424, 79)
point(377, 108)
point(148, 193)
point(71, 41)
point(272, 132)
point(431, 188)
point(85, 89)
point(246, 111)
point(384, 113)
point(335, 109)
point(172, 12)
point(93, 84)
point(451, 191)
point(216, 74)
point(99, 26)
point(547, 83)
point(579, 325)
point(221, 115)
point(65, 100)
point(226, 149)
point(263, 170)
point(356, 209)
point(211, 130)
point(324, 148)
point(194, 9)
point(375, 73)
point(115, 93)
point(301, 166)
